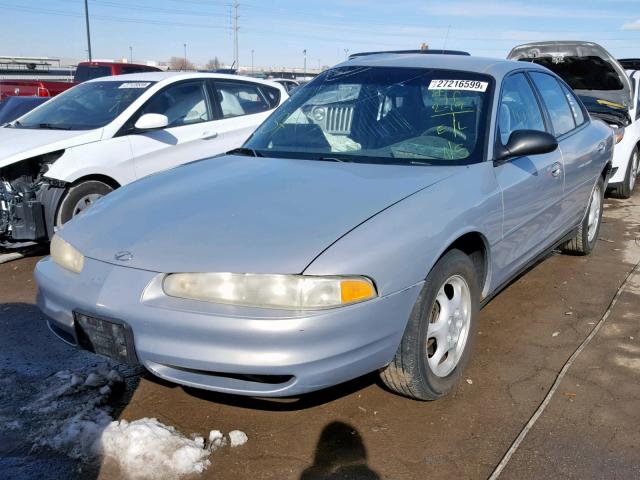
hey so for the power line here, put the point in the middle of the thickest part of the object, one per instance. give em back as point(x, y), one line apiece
point(146, 8)
point(20, 8)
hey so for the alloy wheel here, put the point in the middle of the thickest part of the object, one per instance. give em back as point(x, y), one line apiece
point(85, 202)
point(594, 213)
point(449, 325)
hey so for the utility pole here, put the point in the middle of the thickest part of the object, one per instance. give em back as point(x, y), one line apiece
point(346, 54)
point(235, 34)
point(130, 54)
point(252, 52)
point(184, 65)
point(86, 16)
point(304, 52)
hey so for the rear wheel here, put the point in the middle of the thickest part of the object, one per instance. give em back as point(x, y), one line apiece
point(625, 189)
point(80, 197)
point(439, 336)
point(587, 236)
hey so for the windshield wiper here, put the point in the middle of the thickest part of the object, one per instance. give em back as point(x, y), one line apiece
point(53, 126)
point(249, 152)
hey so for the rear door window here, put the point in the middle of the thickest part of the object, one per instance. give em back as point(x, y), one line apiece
point(519, 109)
point(556, 102)
point(243, 98)
point(576, 109)
point(89, 72)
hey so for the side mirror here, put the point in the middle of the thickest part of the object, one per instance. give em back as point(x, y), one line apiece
point(151, 121)
point(526, 142)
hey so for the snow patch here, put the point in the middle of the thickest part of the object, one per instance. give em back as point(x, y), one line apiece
point(237, 438)
point(70, 413)
point(217, 439)
point(149, 449)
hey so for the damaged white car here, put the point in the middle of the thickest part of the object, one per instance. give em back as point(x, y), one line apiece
point(61, 157)
point(607, 91)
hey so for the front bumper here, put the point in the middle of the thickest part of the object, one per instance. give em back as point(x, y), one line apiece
point(224, 348)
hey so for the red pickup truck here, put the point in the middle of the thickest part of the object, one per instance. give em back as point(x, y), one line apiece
point(85, 71)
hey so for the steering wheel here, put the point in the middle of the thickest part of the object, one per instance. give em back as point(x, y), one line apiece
point(445, 128)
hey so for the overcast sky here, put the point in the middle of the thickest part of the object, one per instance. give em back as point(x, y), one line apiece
point(278, 30)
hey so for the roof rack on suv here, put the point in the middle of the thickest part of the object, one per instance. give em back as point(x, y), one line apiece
point(426, 52)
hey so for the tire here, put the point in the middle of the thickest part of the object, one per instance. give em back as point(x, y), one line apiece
point(625, 189)
point(587, 236)
point(414, 371)
point(79, 197)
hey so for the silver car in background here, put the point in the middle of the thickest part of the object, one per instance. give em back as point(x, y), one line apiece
point(360, 228)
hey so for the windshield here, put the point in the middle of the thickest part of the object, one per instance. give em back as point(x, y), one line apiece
point(382, 115)
point(85, 106)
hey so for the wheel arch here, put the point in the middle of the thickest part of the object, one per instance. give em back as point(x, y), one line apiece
point(96, 177)
point(474, 244)
point(55, 208)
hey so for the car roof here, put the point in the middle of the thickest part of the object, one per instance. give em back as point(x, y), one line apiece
point(492, 66)
point(174, 76)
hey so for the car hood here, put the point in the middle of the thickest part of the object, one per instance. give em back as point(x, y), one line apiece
point(241, 214)
point(586, 66)
point(18, 144)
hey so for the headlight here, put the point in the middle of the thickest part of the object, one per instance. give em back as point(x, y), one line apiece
point(290, 292)
point(66, 255)
point(619, 134)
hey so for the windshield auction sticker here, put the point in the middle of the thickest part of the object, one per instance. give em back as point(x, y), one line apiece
point(470, 85)
point(135, 85)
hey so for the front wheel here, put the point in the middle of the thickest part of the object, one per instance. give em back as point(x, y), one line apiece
point(439, 336)
point(80, 197)
point(587, 235)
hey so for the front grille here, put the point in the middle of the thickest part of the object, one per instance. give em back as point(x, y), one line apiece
point(339, 120)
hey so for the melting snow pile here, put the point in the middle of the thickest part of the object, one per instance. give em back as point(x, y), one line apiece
point(73, 410)
point(148, 449)
point(70, 413)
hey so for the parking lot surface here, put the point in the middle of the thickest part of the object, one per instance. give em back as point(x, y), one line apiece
point(359, 430)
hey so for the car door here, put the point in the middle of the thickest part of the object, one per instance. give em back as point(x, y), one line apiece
point(568, 121)
point(188, 135)
point(532, 186)
point(242, 106)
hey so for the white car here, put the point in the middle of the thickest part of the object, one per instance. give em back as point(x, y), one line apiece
point(606, 89)
point(288, 83)
point(62, 156)
point(626, 166)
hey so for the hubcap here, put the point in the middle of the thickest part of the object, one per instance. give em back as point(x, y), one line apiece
point(85, 202)
point(594, 213)
point(449, 324)
point(634, 171)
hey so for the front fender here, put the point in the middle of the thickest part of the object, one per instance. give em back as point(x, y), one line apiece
point(398, 247)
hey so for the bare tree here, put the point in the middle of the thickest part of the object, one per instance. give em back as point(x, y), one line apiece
point(213, 64)
point(178, 63)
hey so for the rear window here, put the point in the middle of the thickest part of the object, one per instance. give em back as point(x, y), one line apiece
point(136, 69)
point(89, 72)
point(582, 73)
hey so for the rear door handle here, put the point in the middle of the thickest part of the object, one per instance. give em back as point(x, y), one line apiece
point(601, 146)
point(556, 169)
point(209, 135)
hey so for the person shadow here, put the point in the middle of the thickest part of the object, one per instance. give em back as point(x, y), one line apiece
point(340, 455)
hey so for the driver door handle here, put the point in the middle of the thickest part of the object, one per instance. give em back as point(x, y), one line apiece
point(556, 169)
point(209, 135)
point(601, 146)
